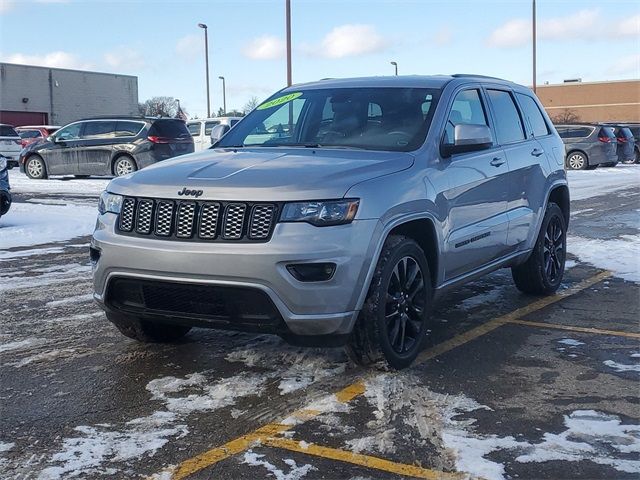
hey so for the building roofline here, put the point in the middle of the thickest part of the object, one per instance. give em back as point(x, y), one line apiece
point(68, 70)
point(569, 84)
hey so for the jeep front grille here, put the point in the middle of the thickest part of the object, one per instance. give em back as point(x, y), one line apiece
point(197, 220)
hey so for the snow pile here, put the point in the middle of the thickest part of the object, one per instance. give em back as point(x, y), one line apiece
point(622, 367)
point(296, 472)
point(20, 183)
point(591, 183)
point(620, 255)
point(34, 224)
point(570, 342)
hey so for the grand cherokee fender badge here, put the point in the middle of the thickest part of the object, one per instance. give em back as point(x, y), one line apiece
point(190, 193)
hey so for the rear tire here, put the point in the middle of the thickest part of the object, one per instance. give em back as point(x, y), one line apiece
point(542, 273)
point(391, 329)
point(123, 165)
point(35, 168)
point(145, 331)
point(577, 161)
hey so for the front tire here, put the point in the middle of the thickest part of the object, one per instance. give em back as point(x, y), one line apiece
point(542, 273)
point(577, 161)
point(391, 328)
point(35, 168)
point(124, 165)
point(145, 331)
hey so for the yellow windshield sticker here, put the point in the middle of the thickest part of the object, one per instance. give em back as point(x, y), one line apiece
point(279, 101)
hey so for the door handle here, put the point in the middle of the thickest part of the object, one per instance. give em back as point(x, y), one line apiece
point(537, 152)
point(497, 161)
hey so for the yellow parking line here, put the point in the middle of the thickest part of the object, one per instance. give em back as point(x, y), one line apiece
point(240, 444)
point(367, 461)
point(598, 331)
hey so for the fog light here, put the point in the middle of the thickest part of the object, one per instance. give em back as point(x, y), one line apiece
point(94, 254)
point(312, 272)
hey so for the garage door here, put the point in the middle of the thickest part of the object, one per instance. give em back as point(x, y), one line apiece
point(23, 118)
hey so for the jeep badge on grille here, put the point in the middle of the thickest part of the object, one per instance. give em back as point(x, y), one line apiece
point(190, 193)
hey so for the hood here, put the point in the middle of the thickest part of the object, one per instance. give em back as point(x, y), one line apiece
point(262, 174)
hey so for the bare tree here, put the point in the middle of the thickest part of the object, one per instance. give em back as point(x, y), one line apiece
point(250, 105)
point(565, 116)
point(160, 107)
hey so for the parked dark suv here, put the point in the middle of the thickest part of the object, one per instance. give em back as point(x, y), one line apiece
point(588, 145)
point(5, 194)
point(635, 129)
point(106, 146)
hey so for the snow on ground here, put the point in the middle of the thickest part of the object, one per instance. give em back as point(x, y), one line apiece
point(33, 224)
point(20, 183)
point(296, 472)
point(591, 183)
point(620, 255)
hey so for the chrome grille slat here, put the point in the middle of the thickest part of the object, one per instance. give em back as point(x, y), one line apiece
point(184, 219)
point(234, 221)
point(164, 217)
point(194, 220)
point(261, 221)
point(144, 213)
point(208, 222)
point(126, 214)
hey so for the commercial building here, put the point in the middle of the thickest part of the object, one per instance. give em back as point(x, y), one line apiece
point(576, 101)
point(32, 95)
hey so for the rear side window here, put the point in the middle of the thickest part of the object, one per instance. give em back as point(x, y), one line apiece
point(194, 129)
point(93, 130)
point(8, 131)
point(467, 109)
point(128, 129)
point(208, 126)
point(169, 128)
point(534, 115)
point(575, 132)
point(508, 123)
point(30, 134)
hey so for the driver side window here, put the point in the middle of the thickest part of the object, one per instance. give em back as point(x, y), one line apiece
point(71, 132)
point(467, 109)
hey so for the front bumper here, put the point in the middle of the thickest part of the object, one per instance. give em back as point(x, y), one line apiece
point(307, 308)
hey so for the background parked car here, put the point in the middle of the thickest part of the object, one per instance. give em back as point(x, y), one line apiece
point(635, 129)
point(201, 130)
point(10, 144)
point(626, 143)
point(5, 195)
point(106, 146)
point(33, 133)
point(588, 145)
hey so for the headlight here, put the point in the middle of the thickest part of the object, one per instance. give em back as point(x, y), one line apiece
point(321, 213)
point(109, 202)
point(3, 163)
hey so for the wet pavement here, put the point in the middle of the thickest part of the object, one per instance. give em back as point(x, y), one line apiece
point(509, 386)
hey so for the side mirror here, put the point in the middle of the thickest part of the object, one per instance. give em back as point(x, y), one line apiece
point(468, 138)
point(218, 132)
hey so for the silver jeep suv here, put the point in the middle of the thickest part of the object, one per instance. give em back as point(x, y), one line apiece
point(336, 213)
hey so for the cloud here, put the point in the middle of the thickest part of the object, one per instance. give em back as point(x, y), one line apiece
point(124, 58)
point(267, 47)
point(444, 36)
point(582, 25)
point(349, 40)
point(57, 59)
point(629, 64)
point(190, 46)
point(6, 6)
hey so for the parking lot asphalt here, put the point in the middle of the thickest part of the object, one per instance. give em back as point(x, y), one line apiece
point(509, 385)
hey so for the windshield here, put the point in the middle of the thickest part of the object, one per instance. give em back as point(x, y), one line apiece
point(395, 119)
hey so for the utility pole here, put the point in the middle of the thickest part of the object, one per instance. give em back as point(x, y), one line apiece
point(395, 64)
point(224, 96)
point(206, 61)
point(534, 45)
point(288, 27)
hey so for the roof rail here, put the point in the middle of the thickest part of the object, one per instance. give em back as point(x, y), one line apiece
point(473, 75)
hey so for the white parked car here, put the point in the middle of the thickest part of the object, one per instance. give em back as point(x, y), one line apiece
point(10, 144)
point(201, 130)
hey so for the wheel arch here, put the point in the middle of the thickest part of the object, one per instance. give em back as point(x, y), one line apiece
point(559, 194)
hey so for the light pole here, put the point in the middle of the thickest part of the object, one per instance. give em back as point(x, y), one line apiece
point(206, 60)
point(395, 64)
point(288, 29)
point(178, 102)
point(534, 44)
point(224, 96)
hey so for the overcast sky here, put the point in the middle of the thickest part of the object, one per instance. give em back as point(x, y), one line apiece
point(159, 41)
